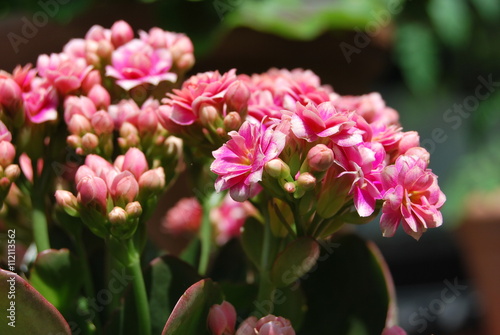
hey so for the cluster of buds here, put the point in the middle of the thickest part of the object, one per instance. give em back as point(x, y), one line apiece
point(222, 321)
point(9, 172)
point(184, 219)
point(336, 160)
point(111, 198)
point(206, 108)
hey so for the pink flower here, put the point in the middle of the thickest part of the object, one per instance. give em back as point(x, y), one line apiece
point(135, 162)
point(222, 319)
point(125, 110)
point(240, 162)
point(229, 217)
point(363, 164)
point(10, 95)
point(311, 122)
point(184, 218)
point(23, 76)
point(370, 106)
point(136, 63)
point(121, 33)
point(124, 188)
point(183, 107)
point(268, 325)
point(394, 330)
point(66, 74)
point(78, 105)
point(41, 102)
point(412, 196)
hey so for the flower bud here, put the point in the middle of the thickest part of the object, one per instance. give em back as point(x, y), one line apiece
point(276, 168)
point(93, 78)
point(92, 191)
point(78, 105)
point(75, 141)
point(232, 121)
point(135, 162)
point(289, 187)
point(237, 96)
point(5, 134)
point(306, 181)
point(121, 33)
point(117, 216)
point(124, 188)
point(89, 142)
point(102, 123)
point(104, 49)
point(147, 122)
point(79, 125)
point(152, 181)
point(419, 152)
point(320, 158)
point(133, 209)
point(208, 114)
point(67, 201)
point(268, 325)
point(222, 319)
point(7, 153)
point(99, 96)
point(394, 330)
point(12, 172)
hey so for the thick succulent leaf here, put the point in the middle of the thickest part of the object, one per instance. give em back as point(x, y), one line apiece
point(295, 261)
point(32, 314)
point(56, 274)
point(350, 287)
point(189, 316)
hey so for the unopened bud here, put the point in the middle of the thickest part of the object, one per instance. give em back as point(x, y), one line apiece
point(79, 125)
point(409, 140)
point(152, 181)
point(121, 33)
point(67, 201)
point(7, 153)
point(222, 319)
point(306, 181)
point(93, 78)
point(147, 122)
point(12, 172)
point(117, 216)
point(90, 142)
point(102, 123)
point(232, 121)
point(99, 96)
point(276, 168)
point(74, 141)
point(289, 187)
point(208, 115)
point(124, 188)
point(237, 96)
point(134, 209)
point(320, 158)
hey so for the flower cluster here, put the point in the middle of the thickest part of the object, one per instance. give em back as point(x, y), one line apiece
point(333, 157)
point(109, 196)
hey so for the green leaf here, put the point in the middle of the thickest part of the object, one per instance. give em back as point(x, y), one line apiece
point(189, 316)
point(32, 314)
point(451, 20)
point(291, 303)
point(56, 274)
point(488, 9)
point(351, 287)
point(252, 231)
point(295, 261)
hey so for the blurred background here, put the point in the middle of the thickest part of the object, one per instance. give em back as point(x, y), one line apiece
point(437, 62)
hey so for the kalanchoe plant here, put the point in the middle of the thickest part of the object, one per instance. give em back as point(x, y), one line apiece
point(92, 137)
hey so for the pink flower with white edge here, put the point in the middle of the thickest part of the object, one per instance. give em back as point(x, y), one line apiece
point(222, 319)
point(204, 89)
point(312, 122)
point(136, 63)
point(363, 163)
point(412, 197)
point(66, 74)
point(40, 103)
point(229, 217)
point(239, 163)
point(268, 325)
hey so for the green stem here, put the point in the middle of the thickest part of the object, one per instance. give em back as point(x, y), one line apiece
point(266, 288)
point(206, 238)
point(140, 294)
point(88, 284)
point(40, 229)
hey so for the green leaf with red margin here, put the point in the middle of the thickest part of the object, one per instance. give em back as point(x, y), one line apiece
point(33, 313)
point(189, 316)
point(350, 287)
